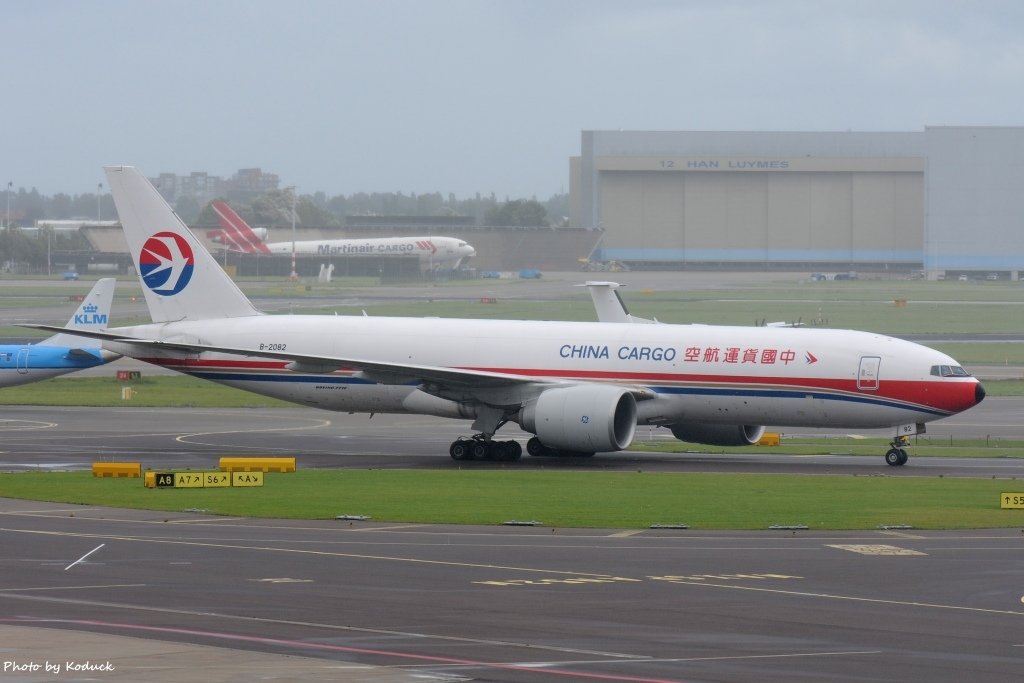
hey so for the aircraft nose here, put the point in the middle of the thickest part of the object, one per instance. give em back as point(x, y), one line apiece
point(979, 393)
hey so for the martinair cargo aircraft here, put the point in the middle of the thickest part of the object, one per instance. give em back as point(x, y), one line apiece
point(579, 387)
point(434, 253)
point(61, 353)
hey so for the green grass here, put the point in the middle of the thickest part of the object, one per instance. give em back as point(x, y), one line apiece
point(171, 391)
point(562, 499)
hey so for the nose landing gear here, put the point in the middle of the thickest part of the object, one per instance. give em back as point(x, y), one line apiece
point(897, 456)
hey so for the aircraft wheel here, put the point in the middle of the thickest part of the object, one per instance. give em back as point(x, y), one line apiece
point(514, 451)
point(508, 451)
point(535, 448)
point(481, 450)
point(459, 450)
point(895, 457)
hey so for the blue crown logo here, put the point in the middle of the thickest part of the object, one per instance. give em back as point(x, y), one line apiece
point(90, 308)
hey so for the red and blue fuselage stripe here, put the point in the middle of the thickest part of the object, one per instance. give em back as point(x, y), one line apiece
point(899, 394)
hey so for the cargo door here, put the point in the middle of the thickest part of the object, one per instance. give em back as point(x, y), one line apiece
point(867, 375)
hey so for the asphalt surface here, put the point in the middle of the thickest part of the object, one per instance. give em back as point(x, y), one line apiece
point(188, 597)
point(433, 603)
point(39, 438)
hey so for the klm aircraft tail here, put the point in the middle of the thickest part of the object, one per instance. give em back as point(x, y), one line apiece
point(180, 278)
point(93, 314)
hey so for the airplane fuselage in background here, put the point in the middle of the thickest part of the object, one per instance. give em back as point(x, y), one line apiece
point(432, 252)
point(62, 353)
point(23, 364)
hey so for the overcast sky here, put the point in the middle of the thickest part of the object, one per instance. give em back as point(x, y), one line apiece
point(470, 96)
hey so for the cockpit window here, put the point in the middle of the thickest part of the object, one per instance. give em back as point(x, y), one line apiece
point(949, 371)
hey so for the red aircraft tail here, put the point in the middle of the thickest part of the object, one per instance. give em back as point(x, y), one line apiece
point(235, 232)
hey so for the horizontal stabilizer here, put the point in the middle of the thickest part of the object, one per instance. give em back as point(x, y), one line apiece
point(82, 354)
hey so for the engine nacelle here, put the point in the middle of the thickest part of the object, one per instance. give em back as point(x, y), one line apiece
point(718, 435)
point(587, 418)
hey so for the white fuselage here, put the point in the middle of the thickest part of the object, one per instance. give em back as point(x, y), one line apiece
point(432, 252)
point(727, 375)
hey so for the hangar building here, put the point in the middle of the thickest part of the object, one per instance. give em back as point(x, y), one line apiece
point(948, 199)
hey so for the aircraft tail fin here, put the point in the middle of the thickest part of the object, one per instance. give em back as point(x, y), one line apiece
point(609, 305)
point(92, 314)
point(236, 233)
point(180, 279)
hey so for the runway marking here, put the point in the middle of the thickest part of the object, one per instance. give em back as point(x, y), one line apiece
point(881, 549)
point(300, 551)
point(187, 438)
point(853, 598)
point(306, 624)
point(723, 658)
point(24, 425)
point(201, 522)
point(626, 534)
point(82, 558)
point(545, 667)
point(32, 513)
point(572, 581)
point(721, 577)
point(828, 596)
point(328, 647)
point(4, 591)
point(902, 534)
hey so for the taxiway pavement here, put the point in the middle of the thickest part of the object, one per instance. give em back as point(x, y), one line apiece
point(437, 603)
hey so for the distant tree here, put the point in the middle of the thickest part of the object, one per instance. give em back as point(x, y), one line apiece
point(521, 212)
point(317, 209)
point(32, 206)
point(60, 207)
point(557, 208)
point(275, 209)
point(16, 246)
point(187, 207)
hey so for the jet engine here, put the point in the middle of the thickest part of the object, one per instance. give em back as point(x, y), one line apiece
point(586, 418)
point(718, 435)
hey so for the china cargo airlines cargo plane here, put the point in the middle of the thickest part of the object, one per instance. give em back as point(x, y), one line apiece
point(580, 388)
point(434, 253)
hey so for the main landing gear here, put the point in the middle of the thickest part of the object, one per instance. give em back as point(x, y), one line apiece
point(479, 448)
point(482, 446)
point(897, 456)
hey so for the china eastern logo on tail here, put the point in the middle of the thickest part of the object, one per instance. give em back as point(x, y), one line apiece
point(166, 263)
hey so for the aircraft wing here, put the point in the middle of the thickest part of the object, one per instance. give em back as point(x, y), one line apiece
point(375, 371)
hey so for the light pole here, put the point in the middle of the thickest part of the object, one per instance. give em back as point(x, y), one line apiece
point(295, 274)
point(99, 189)
point(10, 184)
